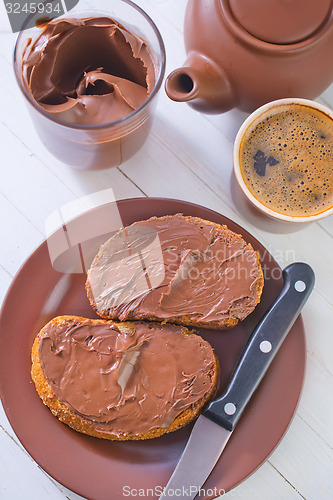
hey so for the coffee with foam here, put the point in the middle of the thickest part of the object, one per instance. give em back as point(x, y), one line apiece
point(286, 159)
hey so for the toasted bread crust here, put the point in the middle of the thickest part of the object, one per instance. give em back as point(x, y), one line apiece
point(183, 320)
point(62, 412)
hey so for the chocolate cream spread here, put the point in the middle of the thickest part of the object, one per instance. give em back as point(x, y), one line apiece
point(173, 267)
point(88, 71)
point(125, 383)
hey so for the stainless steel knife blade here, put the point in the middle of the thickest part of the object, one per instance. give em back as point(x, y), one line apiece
point(203, 449)
point(214, 427)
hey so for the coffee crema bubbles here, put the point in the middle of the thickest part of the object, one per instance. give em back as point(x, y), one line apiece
point(286, 159)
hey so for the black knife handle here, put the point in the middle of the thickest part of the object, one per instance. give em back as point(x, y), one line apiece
point(263, 345)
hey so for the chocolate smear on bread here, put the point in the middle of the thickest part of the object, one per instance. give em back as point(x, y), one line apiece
point(122, 380)
point(177, 269)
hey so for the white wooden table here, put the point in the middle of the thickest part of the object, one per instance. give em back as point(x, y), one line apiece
point(188, 156)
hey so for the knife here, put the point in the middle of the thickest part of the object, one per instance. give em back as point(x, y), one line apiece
point(215, 425)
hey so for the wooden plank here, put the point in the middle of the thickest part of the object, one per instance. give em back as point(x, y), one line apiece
point(327, 96)
point(313, 405)
point(263, 485)
point(327, 225)
point(5, 280)
point(20, 476)
point(306, 461)
point(19, 237)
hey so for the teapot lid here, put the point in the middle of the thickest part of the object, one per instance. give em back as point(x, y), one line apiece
point(280, 21)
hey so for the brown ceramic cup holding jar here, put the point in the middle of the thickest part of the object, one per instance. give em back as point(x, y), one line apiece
point(91, 79)
point(283, 159)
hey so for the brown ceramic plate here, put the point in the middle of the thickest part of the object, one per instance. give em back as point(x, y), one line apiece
point(99, 469)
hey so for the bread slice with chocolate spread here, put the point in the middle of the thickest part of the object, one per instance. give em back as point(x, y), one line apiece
point(176, 269)
point(122, 381)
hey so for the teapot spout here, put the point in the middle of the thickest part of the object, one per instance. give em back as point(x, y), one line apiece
point(202, 84)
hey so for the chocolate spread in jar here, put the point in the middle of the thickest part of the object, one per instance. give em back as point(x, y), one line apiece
point(208, 274)
point(88, 71)
point(123, 383)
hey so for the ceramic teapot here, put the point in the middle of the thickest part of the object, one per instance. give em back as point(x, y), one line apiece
point(244, 53)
